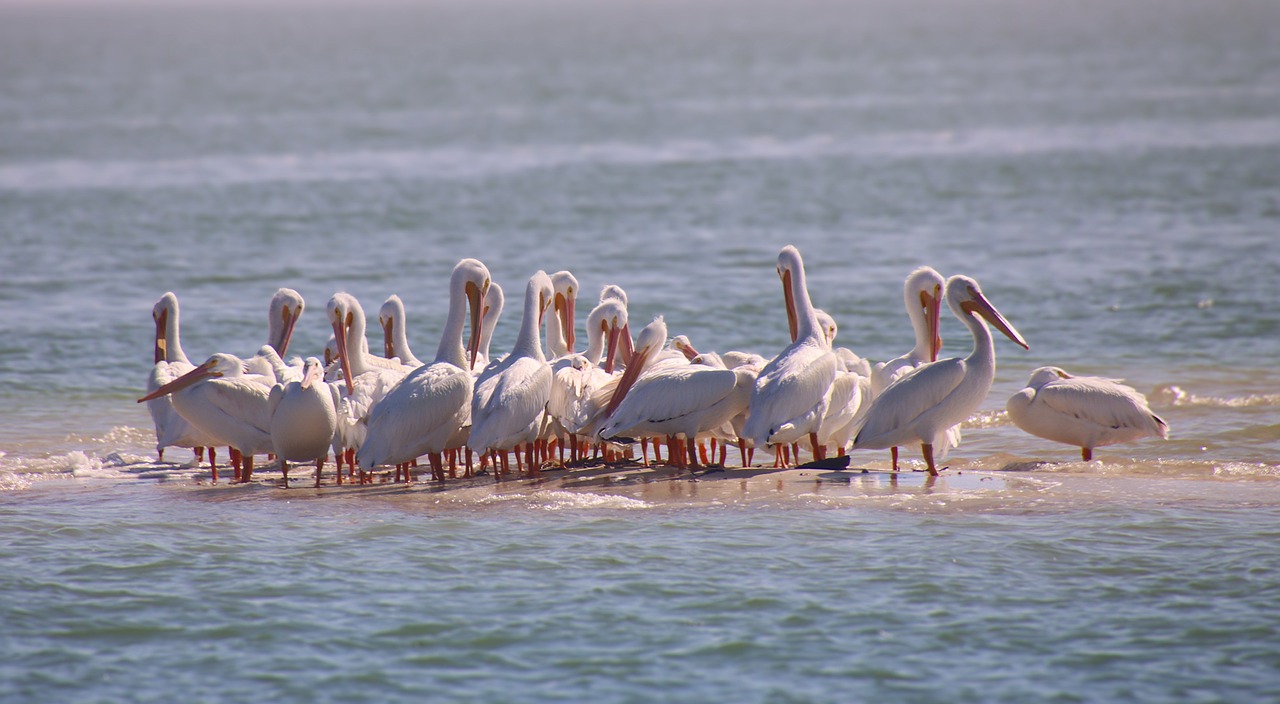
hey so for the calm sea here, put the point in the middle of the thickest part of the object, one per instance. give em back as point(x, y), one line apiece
point(1109, 171)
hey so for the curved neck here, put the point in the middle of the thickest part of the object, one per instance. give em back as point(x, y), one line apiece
point(557, 346)
point(984, 353)
point(450, 349)
point(806, 315)
point(357, 343)
point(528, 342)
point(920, 326)
point(595, 344)
point(400, 341)
point(173, 343)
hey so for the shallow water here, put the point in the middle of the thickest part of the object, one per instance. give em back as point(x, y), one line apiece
point(1107, 172)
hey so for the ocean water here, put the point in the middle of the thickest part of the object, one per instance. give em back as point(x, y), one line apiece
point(1108, 171)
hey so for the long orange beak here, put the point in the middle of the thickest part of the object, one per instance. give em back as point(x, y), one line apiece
point(611, 358)
point(565, 309)
point(474, 294)
point(933, 318)
point(388, 343)
point(981, 306)
point(340, 337)
point(162, 343)
point(793, 318)
point(634, 367)
point(200, 373)
point(628, 345)
point(290, 319)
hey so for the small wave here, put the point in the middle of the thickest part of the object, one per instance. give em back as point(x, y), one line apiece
point(988, 419)
point(1174, 395)
point(567, 500)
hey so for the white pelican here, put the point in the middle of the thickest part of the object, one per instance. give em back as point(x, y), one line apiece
point(1085, 411)
point(678, 401)
point(367, 378)
point(790, 395)
point(172, 430)
point(221, 400)
point(510, 396)
point(922, 294)
point(922, 405)
point(848, 397)
point(395, 342)
point(283, 311)
point(303, 419)
point(625, 344)
point(561, 337)
point(490, 311)
point(576, 378)
point(420, 414)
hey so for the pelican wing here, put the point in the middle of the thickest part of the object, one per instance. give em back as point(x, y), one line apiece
point(671, 394)
point(895, 411)
point(790, 387)
point(416, 416)
point(508, 401)
point(1103, 402)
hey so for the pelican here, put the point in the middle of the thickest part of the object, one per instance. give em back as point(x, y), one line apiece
point(1085, 411)
point(922, 294)
point(221, 400)
point(848, 397)
point(303, 419)
point(420, 414)
point(679, 401)
point(560, 327)
point(627, 345)
point(172, 430)
point(283, 311)
point(510, 396)
point(790, 395)
point(491, 310)
point(367, 378)
point(576, 378)
point(395, 343)
point(923, 404)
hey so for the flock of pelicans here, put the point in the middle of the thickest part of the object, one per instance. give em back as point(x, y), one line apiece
point(387, 411)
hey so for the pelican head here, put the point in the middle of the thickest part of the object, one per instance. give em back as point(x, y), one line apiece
point(1044, 375)
point(606, 323)
point(162, 312)
point(681, 344)
point(651, 339)
point(471, 278)
point(966, 301)
point(219, 365)
point(347, 318)
point(922, 294)
point(392, 310)
point(284, 311)
point(791, 272)
point(828, 326)
point(566, 298)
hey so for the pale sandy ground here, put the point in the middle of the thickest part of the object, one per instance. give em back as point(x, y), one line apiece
point(1034, 488)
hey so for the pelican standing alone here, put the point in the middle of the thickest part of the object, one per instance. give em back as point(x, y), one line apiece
point(422, 412)
point(1085, 411)
point(922, 405)
point(790, 395)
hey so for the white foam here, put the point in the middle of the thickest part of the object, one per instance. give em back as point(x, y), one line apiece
point(567, 500)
